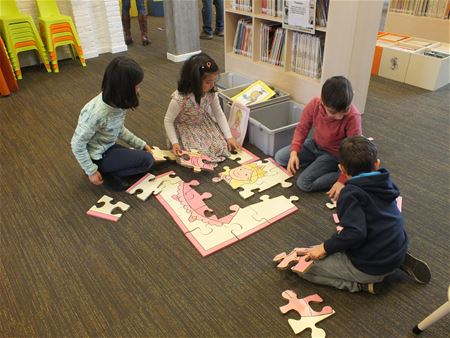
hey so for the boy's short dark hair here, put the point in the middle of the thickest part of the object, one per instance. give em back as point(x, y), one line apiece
point(192, 75)
point(119, 83)
point(337, 93)
point(357, 155)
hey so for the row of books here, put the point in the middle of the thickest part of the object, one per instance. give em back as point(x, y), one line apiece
point(242, 5)
point(432, 8)
point(322, 12)
point(272, 43)
point(272, 7)
point(307, 54)
point(243, 37)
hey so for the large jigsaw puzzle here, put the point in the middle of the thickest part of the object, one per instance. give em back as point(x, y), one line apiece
point(259, 175)
point(309, 317)
point(206, 231)
point(149, 185)
point(243, 156)
point(195, 160)
point(106, 209)
point(162, 155)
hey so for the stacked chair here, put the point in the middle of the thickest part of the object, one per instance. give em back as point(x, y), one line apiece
point(58, 30)
point(8, 81)
point(20, 35)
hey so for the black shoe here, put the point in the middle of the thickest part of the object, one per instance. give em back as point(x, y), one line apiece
point(417, 269)
point(372, 288)
point(219, 33)
point(116, 183)
point(205, 36)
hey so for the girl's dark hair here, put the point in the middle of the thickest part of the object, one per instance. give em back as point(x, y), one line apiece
point(357, 155)
point(119, 83)
point(192, 74)
point(337, 93)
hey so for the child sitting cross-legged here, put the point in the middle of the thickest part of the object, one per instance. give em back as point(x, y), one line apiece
point(373, 242)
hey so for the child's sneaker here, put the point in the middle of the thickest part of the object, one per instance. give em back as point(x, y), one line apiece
point(417, 269)
point(373, 288)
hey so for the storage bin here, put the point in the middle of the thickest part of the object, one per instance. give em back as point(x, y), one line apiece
point(271, 127)
point(226, 95)
point(156, 7)
point(229, 80)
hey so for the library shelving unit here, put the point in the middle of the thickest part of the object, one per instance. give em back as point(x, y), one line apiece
point(349, 36)
point(423, 26)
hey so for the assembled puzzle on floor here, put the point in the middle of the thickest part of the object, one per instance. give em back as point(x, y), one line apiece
point(309, 317)
point(195, 160)
point(243, 156)
point(259, 175)
point(105, 209)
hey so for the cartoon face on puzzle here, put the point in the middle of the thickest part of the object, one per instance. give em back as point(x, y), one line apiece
point(246, 174)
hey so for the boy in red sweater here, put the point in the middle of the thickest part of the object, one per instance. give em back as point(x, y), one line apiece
point(333, 117)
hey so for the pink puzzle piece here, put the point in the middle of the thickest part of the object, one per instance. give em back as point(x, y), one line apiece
point(243, 156)
point(309, 317)
point(197, 161)
point(302, 265)
point(296, 258)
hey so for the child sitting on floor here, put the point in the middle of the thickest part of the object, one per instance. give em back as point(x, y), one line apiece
point(333, 118)
point(373, 242)
point(194, 118)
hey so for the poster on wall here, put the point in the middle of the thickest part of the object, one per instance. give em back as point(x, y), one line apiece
point(300, 15)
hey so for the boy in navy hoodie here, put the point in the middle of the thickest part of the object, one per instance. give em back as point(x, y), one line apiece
point(373, 242)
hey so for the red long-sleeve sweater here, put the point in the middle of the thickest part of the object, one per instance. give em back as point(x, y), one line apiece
point(328, 132)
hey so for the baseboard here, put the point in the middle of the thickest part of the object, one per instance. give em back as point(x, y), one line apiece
point(181, 57)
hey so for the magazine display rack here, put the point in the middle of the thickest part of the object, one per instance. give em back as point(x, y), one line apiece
point(348, 45)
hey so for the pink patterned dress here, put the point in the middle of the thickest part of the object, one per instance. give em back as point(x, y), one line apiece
point(196, 128)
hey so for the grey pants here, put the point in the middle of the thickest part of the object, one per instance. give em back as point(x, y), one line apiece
point(337, 270)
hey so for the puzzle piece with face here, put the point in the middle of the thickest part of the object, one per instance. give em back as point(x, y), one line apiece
point(309, 317)
point(195, 160)
point(106, 209)
point(260, 175)
point(243, 156)
point(162, 155)
point(151, 185)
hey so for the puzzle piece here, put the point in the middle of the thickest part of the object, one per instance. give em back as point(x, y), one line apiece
point(162, 155)
point(243, 156)
point(149, 185)
point(302, 265)
point(259, 175)
point(331, 205)
point(195, 160)
point(309, 317)
point(295, 258)
point(106, 208)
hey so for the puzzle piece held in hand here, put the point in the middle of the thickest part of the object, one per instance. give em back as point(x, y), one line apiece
point(197, 161)
point(149, 185)
point(309, 317)
point(162, 155)
point(243, 156)
point(294, 260)
point(104, 208)
point(260, 175)
point(331, 205)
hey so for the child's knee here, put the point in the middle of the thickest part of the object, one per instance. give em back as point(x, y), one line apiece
point(147, 161)
point(304, 185)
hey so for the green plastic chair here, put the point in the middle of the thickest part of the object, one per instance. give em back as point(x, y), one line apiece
point(20, 34)
point(50, 22)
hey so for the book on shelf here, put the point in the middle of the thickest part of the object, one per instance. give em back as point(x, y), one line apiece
point(243, 37)
point(242, 5)
point(307, 55)
point(272, 41)
point(272, 7)
point(257, 92)
point(431, 8)
point(300, 15)
point(322, 12)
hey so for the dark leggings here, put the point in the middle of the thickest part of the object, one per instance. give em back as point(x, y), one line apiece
point(121, 161)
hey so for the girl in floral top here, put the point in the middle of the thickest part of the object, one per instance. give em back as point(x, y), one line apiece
point(194, 118)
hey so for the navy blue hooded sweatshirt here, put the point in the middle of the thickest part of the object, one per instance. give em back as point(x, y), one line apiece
point(373, 238)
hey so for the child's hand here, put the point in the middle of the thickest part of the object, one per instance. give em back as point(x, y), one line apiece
point(233, 144)
point(335, 190)
point(96, 178)
point(176, 149)
point(316, 252)
point(293, 164)
point(148, 148)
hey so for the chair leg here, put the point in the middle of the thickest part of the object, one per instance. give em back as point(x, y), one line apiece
point(442, 311)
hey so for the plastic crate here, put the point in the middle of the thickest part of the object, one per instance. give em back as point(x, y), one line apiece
point(229, 80)
point(272, 127)
point(226, 95)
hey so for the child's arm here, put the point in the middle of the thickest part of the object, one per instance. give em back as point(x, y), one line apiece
point(172, 112)
point(219, 115)
point(353, 221)
point(84, 132)
point(131, 139)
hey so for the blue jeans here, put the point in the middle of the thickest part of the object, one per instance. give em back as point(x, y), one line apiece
point(320, 169)
point(207, 16)
point(140, 5)
point(121, 161)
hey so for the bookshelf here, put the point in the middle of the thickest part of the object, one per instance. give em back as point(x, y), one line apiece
point(348, 45)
